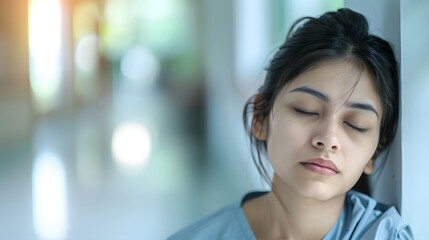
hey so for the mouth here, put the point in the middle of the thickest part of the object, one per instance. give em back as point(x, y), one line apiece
point(321, 166)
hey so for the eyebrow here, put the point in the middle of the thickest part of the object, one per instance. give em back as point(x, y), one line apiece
point(362, 106)
point(326, 98)
point(312, 92)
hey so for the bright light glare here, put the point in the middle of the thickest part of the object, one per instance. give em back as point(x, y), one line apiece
point(86, 54)
point(49, 197)
point(140, 66)
point(45, 51)
point(131, 145)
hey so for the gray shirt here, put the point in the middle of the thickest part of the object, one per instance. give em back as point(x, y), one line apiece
point(361, 218)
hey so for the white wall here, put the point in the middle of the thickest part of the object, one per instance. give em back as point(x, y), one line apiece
point(415, 114)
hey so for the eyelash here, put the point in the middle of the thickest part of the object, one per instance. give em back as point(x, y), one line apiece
point(310, 114)
point(362, 130)
point(305, 112)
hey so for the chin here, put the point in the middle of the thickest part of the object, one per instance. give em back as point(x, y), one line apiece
point(320, 193)
point(321, 197)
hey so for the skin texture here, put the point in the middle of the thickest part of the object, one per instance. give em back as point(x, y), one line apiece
point(303, 126)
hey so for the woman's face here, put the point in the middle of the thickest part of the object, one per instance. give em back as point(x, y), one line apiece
point(323, 131)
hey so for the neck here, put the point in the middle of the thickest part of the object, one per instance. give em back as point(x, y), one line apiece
point(292, 215)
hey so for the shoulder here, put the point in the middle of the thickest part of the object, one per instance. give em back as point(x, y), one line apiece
point(227, 223)
point(389, 226)
point(372, 220)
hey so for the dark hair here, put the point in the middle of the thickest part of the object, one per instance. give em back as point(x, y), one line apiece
point(340, 35)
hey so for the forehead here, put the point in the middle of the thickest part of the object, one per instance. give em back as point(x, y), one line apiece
point(336, 74)
point(340, 80)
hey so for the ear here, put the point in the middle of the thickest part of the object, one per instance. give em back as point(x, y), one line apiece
point(369, 168)
point(259, 128)
point(259, 122)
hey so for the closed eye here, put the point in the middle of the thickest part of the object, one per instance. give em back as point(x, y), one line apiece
point(300, 111)
point(362, 130)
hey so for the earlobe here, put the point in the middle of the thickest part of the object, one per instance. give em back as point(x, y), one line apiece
point(369, 168)
point(259, 129)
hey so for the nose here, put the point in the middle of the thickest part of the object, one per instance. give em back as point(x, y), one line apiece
point(326, 139)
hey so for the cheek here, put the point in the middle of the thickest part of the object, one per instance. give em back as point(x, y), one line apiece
point(358, 153)
point(366, 146)
point(285, 138)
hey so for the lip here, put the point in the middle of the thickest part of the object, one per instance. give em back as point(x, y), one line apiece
point(321, 166)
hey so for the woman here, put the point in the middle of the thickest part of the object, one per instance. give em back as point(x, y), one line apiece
point(328, 106)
